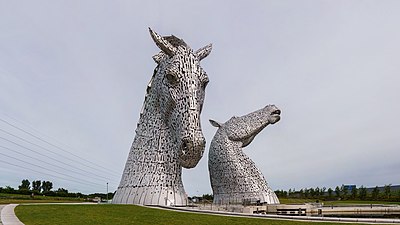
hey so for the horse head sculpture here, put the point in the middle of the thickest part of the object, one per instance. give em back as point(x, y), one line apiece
point(245, 128)
point(181, 91)
point(168, 135)
point(234, 176)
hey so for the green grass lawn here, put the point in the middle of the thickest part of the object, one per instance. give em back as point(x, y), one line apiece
point(15, 198)
point(129, 214)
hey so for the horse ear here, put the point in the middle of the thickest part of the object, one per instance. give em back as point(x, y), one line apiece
point(204, 51)
point(163, 44)
point(158, 57)
point(215, 123)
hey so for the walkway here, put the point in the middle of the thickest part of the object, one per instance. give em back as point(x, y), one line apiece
point(8, 216)
point(1, 207)
point(279, 217)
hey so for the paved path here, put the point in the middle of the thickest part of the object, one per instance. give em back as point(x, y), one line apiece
point(8, 216)
point(279, 217)
point(1, 207)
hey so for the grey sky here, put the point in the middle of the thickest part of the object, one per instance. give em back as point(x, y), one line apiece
point(77, 72)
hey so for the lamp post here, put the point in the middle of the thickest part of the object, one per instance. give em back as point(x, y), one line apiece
point(107, 192)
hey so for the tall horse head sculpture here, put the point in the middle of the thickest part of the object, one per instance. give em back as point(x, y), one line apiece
point(169, 135)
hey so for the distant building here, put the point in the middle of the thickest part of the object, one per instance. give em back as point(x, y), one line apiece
point(96, 199)
point(349, 187)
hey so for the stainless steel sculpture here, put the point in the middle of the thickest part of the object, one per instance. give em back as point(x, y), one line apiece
point(234, 176)
point(168, 135)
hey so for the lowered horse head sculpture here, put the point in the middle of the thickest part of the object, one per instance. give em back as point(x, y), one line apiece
point(169, 135)
point(234, 176)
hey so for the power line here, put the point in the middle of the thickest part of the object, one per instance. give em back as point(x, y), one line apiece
point(46, 149)
point(37, 159)
point(29, 133)
point(59, 161)
point(50, 150)
point(75, 179)
point(36, 175)
point(30, 169)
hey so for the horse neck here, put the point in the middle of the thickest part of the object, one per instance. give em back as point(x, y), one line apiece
point(156, 144)
point(149, 121)
point(152, 129)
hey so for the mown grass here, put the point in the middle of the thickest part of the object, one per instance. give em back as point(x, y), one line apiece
point(16, 198)
point(129, 214)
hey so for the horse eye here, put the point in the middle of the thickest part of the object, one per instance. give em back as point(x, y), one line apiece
point(172, 79)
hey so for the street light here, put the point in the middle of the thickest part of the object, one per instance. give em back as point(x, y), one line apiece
point(107, 192)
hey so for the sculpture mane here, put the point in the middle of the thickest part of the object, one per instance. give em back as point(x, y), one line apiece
point(234, 176)
point(168, 135)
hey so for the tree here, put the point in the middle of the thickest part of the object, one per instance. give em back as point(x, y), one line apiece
point(61, 192)
point(312, 192)
point(362, 193)
point(354, 192)
point(301, 193)
point(306, 193)
point(317, 192)
point(47, 186)
point(398, 195)
point(281, 193)
point(375, 193)
point(25, 185)
point(387, 191)
point(36, 186)
point(208, 197)
point(323, 191)
point(330, 191)
point(344, 191)
point(9, 190)
point(337, 191)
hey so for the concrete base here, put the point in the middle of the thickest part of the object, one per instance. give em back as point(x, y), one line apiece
point(316, 209)
point(361, 210)
point(281, 209)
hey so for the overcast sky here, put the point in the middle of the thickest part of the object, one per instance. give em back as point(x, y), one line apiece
point(74, 73)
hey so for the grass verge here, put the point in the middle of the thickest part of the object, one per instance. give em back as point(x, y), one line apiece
point(15, 198)
point(130, 214)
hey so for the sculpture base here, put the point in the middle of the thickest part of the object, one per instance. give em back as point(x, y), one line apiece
point(246, 199)
point(146, 196)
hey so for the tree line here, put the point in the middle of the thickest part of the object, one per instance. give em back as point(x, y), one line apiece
point(38, 187)
point(344, 192)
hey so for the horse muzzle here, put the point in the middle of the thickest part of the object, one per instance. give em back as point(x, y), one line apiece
point(191, 151)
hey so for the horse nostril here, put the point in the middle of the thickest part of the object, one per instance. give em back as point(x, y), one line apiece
point(189, 145)
point(276, 112)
